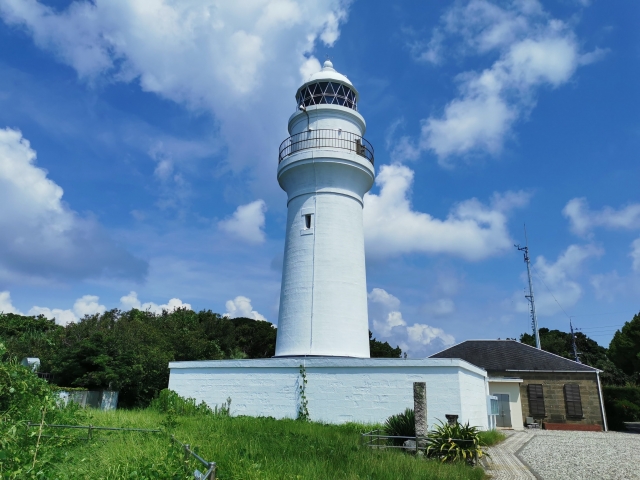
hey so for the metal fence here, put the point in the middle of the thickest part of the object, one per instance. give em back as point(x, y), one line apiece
point(377, 440)
point(326, 138)
point(210, 474)
point(90, 429)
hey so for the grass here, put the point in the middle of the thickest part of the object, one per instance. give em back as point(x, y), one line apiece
point(244, 448)
point(491, 437)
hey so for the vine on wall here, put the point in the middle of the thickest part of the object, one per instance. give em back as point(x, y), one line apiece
point(303, 411)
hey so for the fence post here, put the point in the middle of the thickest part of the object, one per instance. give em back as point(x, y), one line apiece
point(90, 431)
point(186, 447)
point(420, 411)
point(212, 470)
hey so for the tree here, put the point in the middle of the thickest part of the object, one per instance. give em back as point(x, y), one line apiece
point(624, 349)
point(382, 350)
point(590, 353)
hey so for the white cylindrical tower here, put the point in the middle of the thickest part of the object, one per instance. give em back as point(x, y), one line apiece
point(326, 167)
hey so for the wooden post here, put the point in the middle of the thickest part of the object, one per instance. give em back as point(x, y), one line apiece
point(420, 410)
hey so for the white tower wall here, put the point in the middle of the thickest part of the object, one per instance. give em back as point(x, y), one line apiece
point(323, 299)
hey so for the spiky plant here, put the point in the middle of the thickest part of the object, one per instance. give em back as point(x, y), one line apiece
point(401, 425)
point(454, 443)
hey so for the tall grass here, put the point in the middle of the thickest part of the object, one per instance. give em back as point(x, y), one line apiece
point(244, 448)
point(491, 437)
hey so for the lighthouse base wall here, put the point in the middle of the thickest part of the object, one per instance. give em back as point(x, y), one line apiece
point(338, 390)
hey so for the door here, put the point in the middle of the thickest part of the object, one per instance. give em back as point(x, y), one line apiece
point(504, 411)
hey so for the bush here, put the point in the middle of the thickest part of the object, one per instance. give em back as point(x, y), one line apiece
point(26, 398)
point(401, 425)
point(622, 404)
point(445, 445)
point(169, 401)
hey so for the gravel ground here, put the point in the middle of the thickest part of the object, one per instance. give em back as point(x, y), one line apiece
point(583, 455)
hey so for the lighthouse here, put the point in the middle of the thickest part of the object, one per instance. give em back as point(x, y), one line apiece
point(325, 167)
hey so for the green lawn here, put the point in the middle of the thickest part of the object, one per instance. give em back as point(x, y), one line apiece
point(244, 448)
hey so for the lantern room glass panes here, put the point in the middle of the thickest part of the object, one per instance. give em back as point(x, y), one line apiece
point(331, 93)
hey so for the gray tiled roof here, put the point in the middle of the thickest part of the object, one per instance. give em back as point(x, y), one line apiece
point(501, 355)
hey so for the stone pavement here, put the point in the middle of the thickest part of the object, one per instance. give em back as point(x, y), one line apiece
point(503, 463)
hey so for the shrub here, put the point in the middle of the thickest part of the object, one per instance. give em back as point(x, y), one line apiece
point(26, 398)
point(622, 404)
point(401, 425)
point(454, 443)
point(169, 401)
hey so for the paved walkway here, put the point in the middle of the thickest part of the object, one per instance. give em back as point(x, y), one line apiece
point(503, 463)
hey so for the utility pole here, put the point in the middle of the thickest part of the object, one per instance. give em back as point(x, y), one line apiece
point(534, 319)
point(573, 342)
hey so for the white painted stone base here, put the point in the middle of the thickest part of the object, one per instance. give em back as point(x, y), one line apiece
point(338, 390)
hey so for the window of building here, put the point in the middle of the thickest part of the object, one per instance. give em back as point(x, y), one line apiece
point(536, 400)
point(572, 400)
point(307, 221)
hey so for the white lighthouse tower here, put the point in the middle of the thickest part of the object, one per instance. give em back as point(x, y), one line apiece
point(326, 167)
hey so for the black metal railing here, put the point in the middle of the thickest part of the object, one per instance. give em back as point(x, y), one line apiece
point(326, 138)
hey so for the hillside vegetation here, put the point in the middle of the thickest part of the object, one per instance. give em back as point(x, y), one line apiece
point(130, 351)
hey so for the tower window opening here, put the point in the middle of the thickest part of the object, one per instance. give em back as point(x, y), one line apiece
point(307, 221)
point(331, 93)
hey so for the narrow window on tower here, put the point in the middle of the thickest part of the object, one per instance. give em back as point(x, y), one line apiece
point(307, 221)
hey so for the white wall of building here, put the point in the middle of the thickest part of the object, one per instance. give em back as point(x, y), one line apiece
point(512, 388)
point(338, 390)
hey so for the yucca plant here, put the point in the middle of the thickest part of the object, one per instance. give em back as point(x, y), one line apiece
point(454, 443)
point(401, 425)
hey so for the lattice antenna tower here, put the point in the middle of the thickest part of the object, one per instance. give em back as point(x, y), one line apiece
point(532, 304)
point(573, 343)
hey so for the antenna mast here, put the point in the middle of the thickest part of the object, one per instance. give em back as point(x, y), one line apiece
point(573, 342)
point(534, 319)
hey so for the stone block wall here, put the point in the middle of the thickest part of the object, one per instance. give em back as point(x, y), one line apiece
point(554, 402)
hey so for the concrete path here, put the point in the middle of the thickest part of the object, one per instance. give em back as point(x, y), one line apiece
point(503, 463)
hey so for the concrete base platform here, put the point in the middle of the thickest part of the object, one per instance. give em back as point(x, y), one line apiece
point(338, 390)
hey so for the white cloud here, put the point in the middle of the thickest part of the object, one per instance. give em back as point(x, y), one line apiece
point(5, 303)
point(635, 254)
point(40, 236)
point(241, 307)
point(389, 325)
point(582, 219)
point(442, 306)
point(247, 222)
point(240, 60)
point(534, 50)
point(131, 300)
point(558, 279)
point(472, 230)
point(86, 305)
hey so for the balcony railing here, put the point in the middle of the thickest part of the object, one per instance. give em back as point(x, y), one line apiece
point(326, 138)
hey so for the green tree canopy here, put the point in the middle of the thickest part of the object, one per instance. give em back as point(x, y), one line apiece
point(624, 349)
point(379, 349)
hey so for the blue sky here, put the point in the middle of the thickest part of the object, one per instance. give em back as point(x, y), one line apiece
point(138, 155)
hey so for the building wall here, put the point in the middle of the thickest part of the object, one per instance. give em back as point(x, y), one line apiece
point(338, 390)
point(515, 403)
point(553, 391)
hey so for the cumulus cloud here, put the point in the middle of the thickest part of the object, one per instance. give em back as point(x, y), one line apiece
point(247, 222)
point(131, 300)
point(559, 279)
point(582, 219)
point(535, 50)
point(389, 325)
point(241, 61)
point(5, 303)
point(40, 236)
point(86, 305)
point(241, 307)
point(472, 230)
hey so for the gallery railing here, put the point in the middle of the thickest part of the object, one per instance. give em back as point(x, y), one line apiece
point(323, 138)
